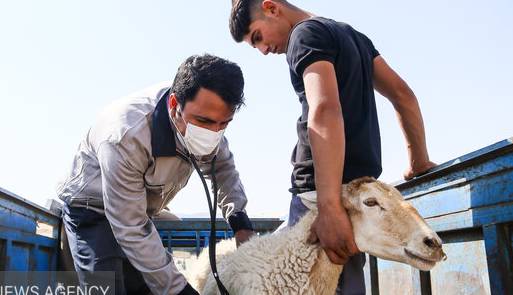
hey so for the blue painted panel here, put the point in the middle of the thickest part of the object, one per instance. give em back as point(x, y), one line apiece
point(15, 235)
point(3, 256)
point(443, 202)
point(462, 162)
point(190, 239)
point(501, 213)
point(499, 257)
point(43, 258)
point(500, 164)
point(395, 278)
point(459, 274)
point(485, 191)
point(493, 189)
point(16, 220)
point(25, 248)
point(19, 257)
point(219, 234)
point(16, 214)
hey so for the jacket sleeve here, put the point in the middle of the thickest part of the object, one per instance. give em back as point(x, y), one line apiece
point(231, 196)
point(124, 197)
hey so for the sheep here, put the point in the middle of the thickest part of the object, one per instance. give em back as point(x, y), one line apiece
point(285, 263)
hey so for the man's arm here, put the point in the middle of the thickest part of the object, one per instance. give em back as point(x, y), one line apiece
point(389, 84)
point(231, 196)
point(327, 139)
point(124, 198)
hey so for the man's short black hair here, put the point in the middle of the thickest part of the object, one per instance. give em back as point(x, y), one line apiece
point(241, 17)
point(243, 13)
point(213, 73)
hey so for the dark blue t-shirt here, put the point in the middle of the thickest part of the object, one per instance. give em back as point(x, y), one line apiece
point(352, 54)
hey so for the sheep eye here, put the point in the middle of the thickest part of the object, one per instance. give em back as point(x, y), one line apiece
point(371, 202)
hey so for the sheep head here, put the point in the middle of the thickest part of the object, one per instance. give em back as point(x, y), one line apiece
point(387, 226)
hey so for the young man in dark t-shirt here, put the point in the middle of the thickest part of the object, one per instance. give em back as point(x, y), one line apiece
point(334, 70)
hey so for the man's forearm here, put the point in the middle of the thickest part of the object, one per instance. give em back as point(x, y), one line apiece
point(412, 125)
point(392, 86)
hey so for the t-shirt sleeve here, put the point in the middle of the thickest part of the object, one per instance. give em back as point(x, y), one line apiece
point(309, 42)
point(370, 46)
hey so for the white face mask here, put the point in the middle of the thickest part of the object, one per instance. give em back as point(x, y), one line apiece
point(200, 141)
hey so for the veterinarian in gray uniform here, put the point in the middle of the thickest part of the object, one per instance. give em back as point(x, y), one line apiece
point(132, 163)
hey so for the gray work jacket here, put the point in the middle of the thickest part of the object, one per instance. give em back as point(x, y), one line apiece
point(129, 166)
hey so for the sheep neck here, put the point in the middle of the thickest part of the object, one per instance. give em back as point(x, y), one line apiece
point(324, 274)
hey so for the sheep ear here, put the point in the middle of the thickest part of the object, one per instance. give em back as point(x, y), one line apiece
point(347, 203)
point(353, 187)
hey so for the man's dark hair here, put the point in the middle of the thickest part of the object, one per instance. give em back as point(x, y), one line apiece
point(241, 17)
point(213, 73)
point(243, 13)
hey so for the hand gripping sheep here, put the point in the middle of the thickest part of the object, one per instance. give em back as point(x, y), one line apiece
point(284, 263)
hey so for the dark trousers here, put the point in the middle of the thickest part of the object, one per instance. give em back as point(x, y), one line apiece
point(352, 279)
point(94, 248)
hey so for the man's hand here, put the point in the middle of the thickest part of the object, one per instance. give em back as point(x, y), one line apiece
point(243, 235)
point(334, 231)
point(416, 170)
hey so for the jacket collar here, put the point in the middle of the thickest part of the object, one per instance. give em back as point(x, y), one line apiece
point(163, 143)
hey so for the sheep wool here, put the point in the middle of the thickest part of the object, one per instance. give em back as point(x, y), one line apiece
point(282, 263)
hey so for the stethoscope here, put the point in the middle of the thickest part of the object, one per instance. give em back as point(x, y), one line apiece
point(212, 208)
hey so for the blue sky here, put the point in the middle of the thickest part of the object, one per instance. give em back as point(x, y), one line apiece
point(62, 61)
